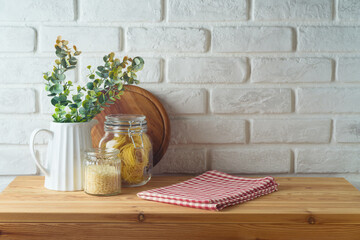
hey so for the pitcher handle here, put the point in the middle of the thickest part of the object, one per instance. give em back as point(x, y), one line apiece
point(32, 149)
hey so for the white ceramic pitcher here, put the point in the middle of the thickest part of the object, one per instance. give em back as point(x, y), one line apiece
point(63, 170)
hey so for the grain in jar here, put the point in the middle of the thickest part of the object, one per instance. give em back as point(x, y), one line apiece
point(102, 172)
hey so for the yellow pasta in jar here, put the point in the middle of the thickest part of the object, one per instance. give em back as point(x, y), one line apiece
point(134, 160)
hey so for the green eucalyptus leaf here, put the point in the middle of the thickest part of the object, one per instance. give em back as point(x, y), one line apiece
point(60, 54)
point(54, 102)
point(137, 64)
point(86, 104)
point(90, 85)
point(99, 74)
point(70, 67)
point(57, 88)
point(61, 77)
point(76, 98)
point(62, 98)
point(64, 63)
point(73, 61)
point(102, 98)
point(82, 111)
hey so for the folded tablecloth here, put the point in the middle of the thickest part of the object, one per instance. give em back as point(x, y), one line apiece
point(212, 190)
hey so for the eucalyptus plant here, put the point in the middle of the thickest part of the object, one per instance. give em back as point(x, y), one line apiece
point(105, 84)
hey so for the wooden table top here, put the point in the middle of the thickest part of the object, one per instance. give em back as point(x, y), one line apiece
point(299, 200)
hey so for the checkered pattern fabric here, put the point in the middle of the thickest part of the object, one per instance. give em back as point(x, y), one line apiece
point(212, 190)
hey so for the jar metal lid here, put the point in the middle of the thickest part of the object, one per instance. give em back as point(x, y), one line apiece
point(123, 122)
point(100, 154)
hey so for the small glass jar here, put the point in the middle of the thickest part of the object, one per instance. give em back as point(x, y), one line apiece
point(102, 172)
point(127, 133)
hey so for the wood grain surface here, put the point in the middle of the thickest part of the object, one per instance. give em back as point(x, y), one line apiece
point(137, 100)
point(221, 231)
point(303, 208)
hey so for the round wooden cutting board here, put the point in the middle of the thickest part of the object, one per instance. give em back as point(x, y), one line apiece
point(139, 101)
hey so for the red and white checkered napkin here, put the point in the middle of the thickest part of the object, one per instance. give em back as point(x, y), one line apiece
point(212, 190)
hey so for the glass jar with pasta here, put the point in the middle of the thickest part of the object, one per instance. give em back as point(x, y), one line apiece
point(127, 133)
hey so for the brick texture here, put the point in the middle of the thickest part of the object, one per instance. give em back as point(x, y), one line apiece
point(251, 160)
point(21, 130)
point(37, 10)
point(168, 39)
point(182, 101)
point(328, 100)
point(333, 39)
point(208, 10)
point(122, 11)
point(252, 39)
point(327, 160)
point(349, 10)
point(17, 39)
point(207, 70)
point(290, 131)
point(208, 131)
point(307, 10)
point(347, 130)
point(24, 103)
point(183, 160)
point(349, 70)
point(16, 160)
point(291, 70)
point(103, 39)
point(254, 100)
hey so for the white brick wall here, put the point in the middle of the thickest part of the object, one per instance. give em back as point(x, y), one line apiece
point(24, 101)
point(251, 86)
point(251, 160)
point(328, 100)
point(167, 39)
point(17, 39)
point(252, 39)
point(327, 160)
point(121, 11)
point(348, 70)
point(290, 131)
point(291, 70)
point(329, 39)
point(251, 100)
point(293, 10)
point(37, 10)
point(208, 10)
point(207, 70)
point(88, 39)
point(186, 131)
